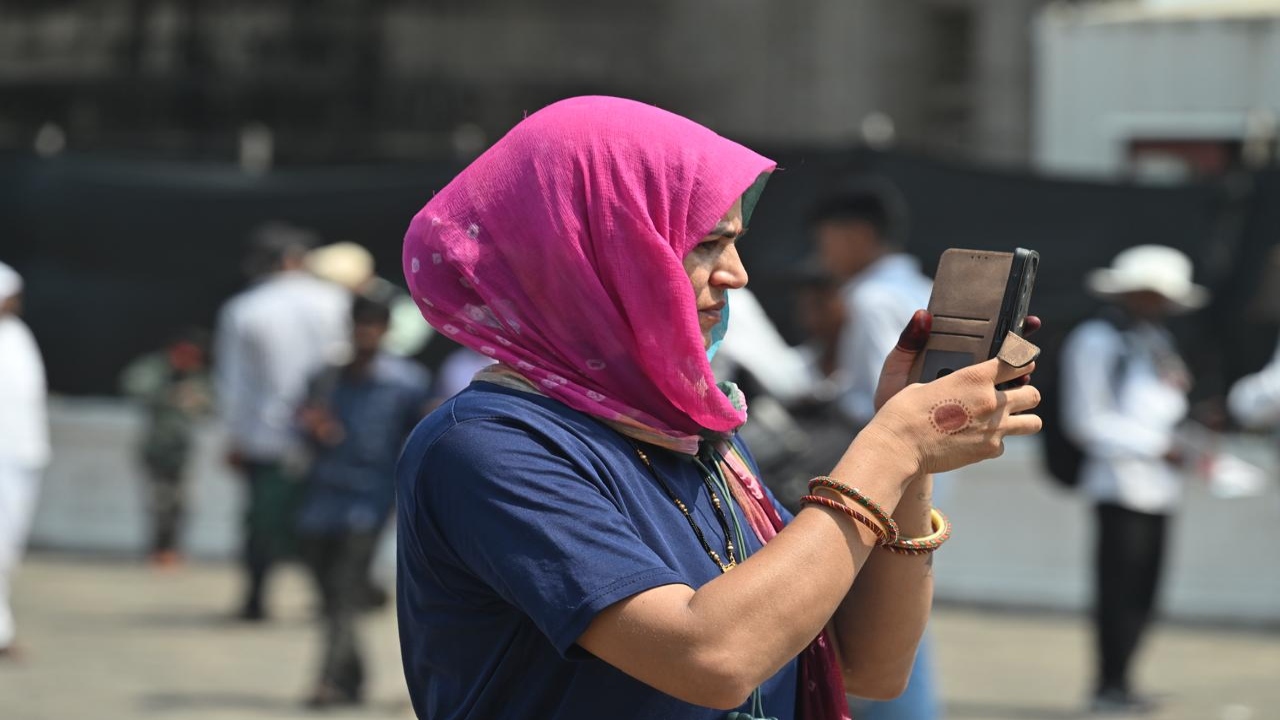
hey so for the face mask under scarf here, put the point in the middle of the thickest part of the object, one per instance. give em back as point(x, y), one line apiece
point(717, 332)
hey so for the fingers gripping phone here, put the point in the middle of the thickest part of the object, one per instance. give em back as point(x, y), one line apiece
point(978, 298)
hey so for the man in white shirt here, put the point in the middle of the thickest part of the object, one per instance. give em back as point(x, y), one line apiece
point(1124, 393)
point(270, 340)
point(24, 440)
point(860, 234)
point(859, 240)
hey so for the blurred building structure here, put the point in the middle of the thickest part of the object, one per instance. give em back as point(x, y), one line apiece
point(1159, 89)
point(358, 80)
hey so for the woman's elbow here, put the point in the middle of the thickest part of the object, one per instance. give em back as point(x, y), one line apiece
point(724, 684)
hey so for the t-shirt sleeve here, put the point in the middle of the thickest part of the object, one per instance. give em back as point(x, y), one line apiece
point(531, 519)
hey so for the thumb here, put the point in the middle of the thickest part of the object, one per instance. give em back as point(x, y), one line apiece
point(897, 366)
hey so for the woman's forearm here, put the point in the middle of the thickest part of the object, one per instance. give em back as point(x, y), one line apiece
point(880, 622)
point(807, 570)
point(711, 645)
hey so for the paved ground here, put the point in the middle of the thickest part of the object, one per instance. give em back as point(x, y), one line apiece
point(116, 641)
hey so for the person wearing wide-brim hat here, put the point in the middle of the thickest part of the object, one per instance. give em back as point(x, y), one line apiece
point(1150, 270)
point(1124, 392)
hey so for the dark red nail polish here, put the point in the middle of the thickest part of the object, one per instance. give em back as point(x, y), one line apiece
point(916, 334)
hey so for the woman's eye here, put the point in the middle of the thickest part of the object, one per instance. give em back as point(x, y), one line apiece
point(708, 245)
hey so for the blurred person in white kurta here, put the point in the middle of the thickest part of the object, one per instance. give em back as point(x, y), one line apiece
point(1124, 394)
point(24, 440)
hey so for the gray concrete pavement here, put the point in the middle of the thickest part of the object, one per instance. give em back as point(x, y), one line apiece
point(118, 641)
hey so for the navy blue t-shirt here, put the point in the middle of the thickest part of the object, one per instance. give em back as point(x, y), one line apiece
point(519, 520)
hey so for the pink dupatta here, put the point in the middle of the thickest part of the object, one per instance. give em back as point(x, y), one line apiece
point(558, 252)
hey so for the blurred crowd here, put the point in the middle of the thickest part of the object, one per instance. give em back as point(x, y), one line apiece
point(315, 371)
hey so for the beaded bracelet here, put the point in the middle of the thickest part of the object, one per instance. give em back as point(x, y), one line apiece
point(927, 544)
point(877, 512)
point(882, 537)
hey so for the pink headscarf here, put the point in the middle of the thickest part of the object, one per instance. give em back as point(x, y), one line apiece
point(559, 252)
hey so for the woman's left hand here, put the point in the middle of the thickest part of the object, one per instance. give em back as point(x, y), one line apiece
point(893, 376)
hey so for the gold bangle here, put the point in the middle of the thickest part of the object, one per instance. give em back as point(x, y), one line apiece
point(927, 544)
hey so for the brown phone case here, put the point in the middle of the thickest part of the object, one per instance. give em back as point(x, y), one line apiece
point(968, 294)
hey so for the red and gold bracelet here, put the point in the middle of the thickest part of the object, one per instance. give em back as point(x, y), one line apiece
point(873, 507)
point(883, 537)
point(927, 544)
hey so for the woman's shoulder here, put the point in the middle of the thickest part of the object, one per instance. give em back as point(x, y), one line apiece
point(490, 419)
point(489, 441)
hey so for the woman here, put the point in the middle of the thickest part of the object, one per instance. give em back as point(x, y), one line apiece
point(579, 534)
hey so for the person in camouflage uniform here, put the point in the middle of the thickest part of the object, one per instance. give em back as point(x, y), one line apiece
point(173, 384)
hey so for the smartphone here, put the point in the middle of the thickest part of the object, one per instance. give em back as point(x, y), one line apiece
point(979, 297)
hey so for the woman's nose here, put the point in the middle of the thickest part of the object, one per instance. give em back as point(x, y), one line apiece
point(729, 273)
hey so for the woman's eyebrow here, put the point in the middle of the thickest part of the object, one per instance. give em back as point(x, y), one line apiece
point(725, 230)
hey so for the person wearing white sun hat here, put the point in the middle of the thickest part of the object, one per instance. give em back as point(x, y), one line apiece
point(1153, 269)
point(1124, 392)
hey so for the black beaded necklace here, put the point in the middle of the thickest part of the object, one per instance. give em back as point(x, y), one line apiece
point(730, 552)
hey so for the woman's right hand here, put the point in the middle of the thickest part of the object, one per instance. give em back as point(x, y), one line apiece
point(959, 419)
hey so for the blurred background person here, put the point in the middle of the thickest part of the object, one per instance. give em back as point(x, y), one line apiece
point(1254, 399)
point(24, 441)
point(860, 233)
point(174, 387)
point(820, 315)
point(270, 339)
point(1124, 394)
point(352, 266)
point(355, 418)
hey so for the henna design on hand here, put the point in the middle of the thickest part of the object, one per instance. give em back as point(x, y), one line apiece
point(950, 417)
